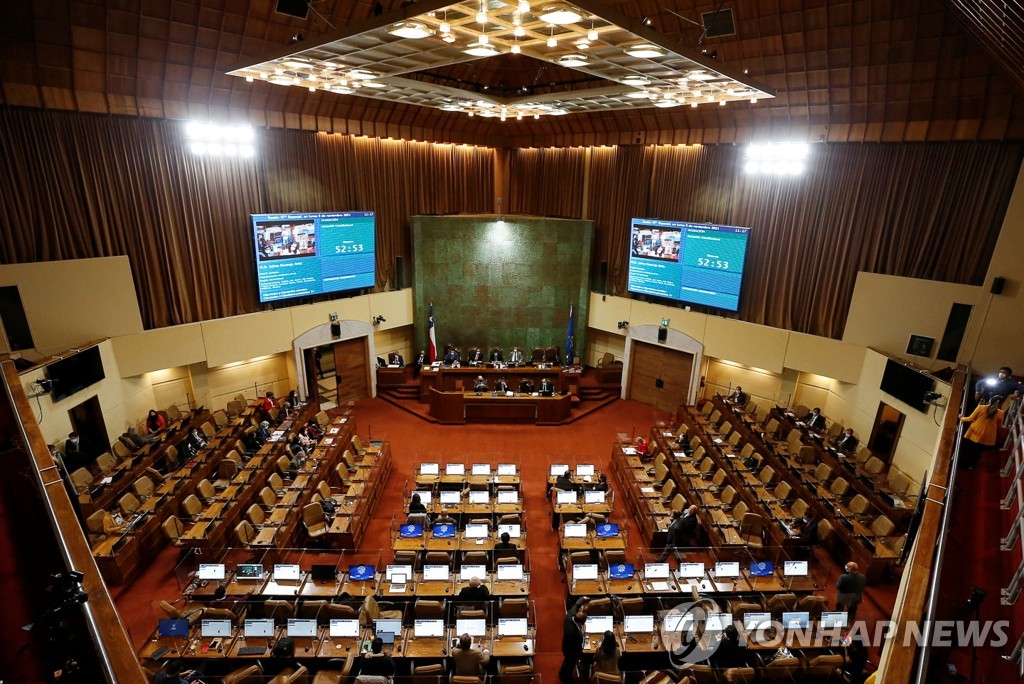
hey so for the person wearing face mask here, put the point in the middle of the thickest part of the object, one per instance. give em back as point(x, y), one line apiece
point(73, 457)
point(572, 639)
point(1000, 384)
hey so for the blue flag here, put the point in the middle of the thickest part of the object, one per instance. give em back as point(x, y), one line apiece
point(569, 345)
point(431, 338)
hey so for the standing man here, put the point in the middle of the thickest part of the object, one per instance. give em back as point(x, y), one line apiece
point(572, 639)
point(850, 586)
point(679, 532)
point(421, 360)
point(1001, 384)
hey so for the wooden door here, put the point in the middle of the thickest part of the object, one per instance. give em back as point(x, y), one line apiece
point(351, 370)
point(652, 365)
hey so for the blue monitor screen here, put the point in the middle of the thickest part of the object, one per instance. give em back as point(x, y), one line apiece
point(361, 573)
point(762, 569)
point(698, 263)
point(173, 627)
point(607, 530)
point(444, 531)
point(411, 531)
point(298, 255)
point(621, 571)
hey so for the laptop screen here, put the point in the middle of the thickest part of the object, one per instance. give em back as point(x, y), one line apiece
point(324, 573)
point(455, 469)
point(476, 531)
point(656, 570)
point(594, 497)
point(584, 571)
point(510, 572)
point(558, 469)
point(479, 497)
point(794, 568)
point(599, 624)
point(468, 572)
point(513, 530)
point(450, 497)
point(505, 497)
point(762, 569)
point(586, 470)
point(727, 569)
point(344, 628)
point(428, 629)
point(170, 627)
point(621, 571)
point(607, 530)
point(512, 627)
point(388, 626)
point(577, 530)
point(287, 572)
point(444, 531)
point(481, 469)
point(834, 620)
point(566, 497)
point(796, 620)
point(259, 628)
point(675, 621)
point(506, 469)
point(248, 571)
point(435, 573)
point(755, 622)
point(215, 628)
point(361, 573)
point(633, 624)
point(301, 628)
point(474, 628)
point(409, 531)
point(429, 468)
point(211, 571)
point(691, 570)
point(424, 496)
point(716, 622)
point(392, 570)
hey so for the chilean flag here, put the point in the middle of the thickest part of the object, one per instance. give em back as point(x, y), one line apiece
point(432, 340)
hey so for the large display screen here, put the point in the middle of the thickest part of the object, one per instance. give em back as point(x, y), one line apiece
point(697, 263)
point(298, 255)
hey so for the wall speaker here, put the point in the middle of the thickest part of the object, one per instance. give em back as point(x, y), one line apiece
point(997, 285)
point(953, 335)
point(293, 8)
point(335, 329)
point(399, 273)
point(662, 334)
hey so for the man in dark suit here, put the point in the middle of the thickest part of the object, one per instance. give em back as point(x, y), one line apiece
point(480, 385)
point(396, 359)
point(476, 591)
point(506, 543)
point(452, 356)
point(564, 482)
point(814, 421)
point(526, 386)
point(547, 386)
point(850, 586)
point(679, 534)
point(476, 358)
point(739, 397)
point(572, 639)
point(500, 385)
point(421, 360)
point(496, 356)
point(73, 456)
point(846, 443)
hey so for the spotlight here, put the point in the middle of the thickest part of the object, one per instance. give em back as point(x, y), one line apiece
point(929, 397)
point(623, 325)
point(297, 38)
point(646, 21)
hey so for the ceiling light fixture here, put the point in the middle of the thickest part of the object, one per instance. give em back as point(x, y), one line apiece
point(645, 51)
point(635, 80)
point(552, 41)
point(592, 33)
point(560, 14)
point(410, 29)
point(524, 6)
point(516, 49)
point(478, 50)
point(572, 60)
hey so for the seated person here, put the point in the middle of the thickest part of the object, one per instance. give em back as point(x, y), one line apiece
point(451, 356)
point(730, 653)
point(416, 504)
point(396, 359)
point(807, 534)
point(306, 441)
point(113, 524)
point(515, 357)
point(640, 444)
point(601, 485)
point(444, 519)
point(377, 663)
point(194, 442)
point(506, 543)
point(547, 386)
point(500, 385)
point(298, 454)
point(739, 397)
point(134, 440)
point(526, 386)
point(476, 358)
point(469, 662)
point(476, 591)
point(313, 429)
point(154, 422)
point(846, 443)
point(496, 356)
point(480, 385)
point(564, 482)
point(814, 420)
point(262, 433)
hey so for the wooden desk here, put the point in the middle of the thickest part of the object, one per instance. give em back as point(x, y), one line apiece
point(456, 408)
point(462, 378)
point(339, 647)
point(320, 590)
point(394, 377)
point(515, 647)
point(424, 647)
point(640, 642)
point(283, 587)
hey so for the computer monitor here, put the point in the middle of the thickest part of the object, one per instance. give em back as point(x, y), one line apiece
point(621, 571)
point(794, 568)
point(474, 628)
point(172, 627)
point(324, 573)
point(585, 470)
point(468, 572)
point(755, 622)
point(512, 627)
point(262, 627)
point(727, 569)
point(426, 629)
point(506, 497)
point(429, 468)
point(287, 572)
point(594, 497)
point(425, 496)
point(215, 628)
point(656, 570)
point(564, 497)
point(510, 571)
point(574, 530)
point(455, 469)
point(584, 571)
point(599, 624)
point(480, 496)
point(839, 619)
point(211, 571)
point(638, 624)
point(691, 570)
point(558, 469)
point(607, 530)
point(476, 531)
point(344, 628)
point(481, 469)
point(513, 531)
point(796, 620)
point(362, 573)
point(716, 622)
point(386, 637)
point(506, 469)
point(410, 531)
point(450, 498)
point(301, 627)
point(675, 621)
point(387, 626)
point(248, 571)
point(762, 569)
point(435, 573)
point(392, 570)
point(444, 531)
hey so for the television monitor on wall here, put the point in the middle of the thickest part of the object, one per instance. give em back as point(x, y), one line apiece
point(74, 373)
point(906, 384)
point(698, 263)
point(299, 255)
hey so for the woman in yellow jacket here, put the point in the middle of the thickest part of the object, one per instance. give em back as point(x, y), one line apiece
point(981, 435)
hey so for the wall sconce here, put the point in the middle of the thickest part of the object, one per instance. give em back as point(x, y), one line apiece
point(623, 325)
point(377, 320)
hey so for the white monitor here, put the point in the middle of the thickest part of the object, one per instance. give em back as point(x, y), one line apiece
point(450, 497)
point(301, 627)
point(403, 570)
point(481, 469)
point(599, 624)
point(455, 469)
point(727, 569)
point(566, 497)
point(675, 621)
point(797, 568)
point(632, 624)
point(428, 629)
point(656, 570)
point(474, 628)
point(248, 571)
point(435, 573)
point(584, 571)
point(691, 570)
point(506, 469)
point(468, 572)
point(287, 572)
point(215, 628)
point(510, 571)
point(577, 530)
point(389, 626)
point(716, 622)
point(756, 622)
point(479, 497)
point(585, 470)
point(558, 469)
point(834, 619)
point(513, 530)
point(344, 628)
point(263, 627)
point(424, 496)
point(594, 497)
point(429, 468)
point(476, 531)
point(796, 620)
point(506, 497)
point(512, 627)
point(211, 571)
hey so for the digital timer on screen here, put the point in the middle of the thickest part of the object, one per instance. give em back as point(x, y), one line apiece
point(298, 255)
point(699, 263)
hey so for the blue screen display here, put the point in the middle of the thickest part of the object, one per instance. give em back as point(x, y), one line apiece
point(298, 255)
point(698, 263)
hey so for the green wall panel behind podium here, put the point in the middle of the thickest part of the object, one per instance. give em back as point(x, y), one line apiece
point(501, 284)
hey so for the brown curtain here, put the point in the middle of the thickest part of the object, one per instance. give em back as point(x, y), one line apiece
point(547, 181)
point(76, 186)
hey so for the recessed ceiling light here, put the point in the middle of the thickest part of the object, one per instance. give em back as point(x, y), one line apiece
point(645, 51)
point(572, 60)
point(516, 49)
point(637, 94)
point(374, 84)
point(362, 74)
point(409, 29)
point(560, 14)
point(478, 50)
point(635, 80)
point(664, 104)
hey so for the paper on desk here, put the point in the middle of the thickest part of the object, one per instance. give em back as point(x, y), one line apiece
point(106, 480)
point(629, 451)
point(647, 490)
point(334, 430)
